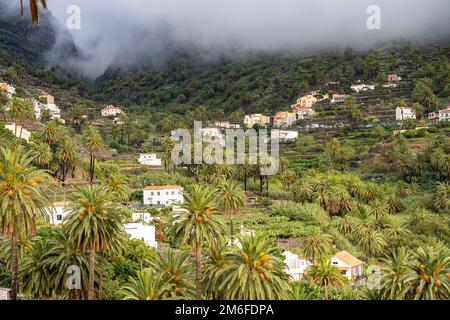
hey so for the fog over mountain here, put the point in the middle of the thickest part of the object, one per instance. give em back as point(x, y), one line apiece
point(123, 32)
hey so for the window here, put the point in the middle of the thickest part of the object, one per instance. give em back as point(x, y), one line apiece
point(159, 202)
point(152, 193)
point(158, 193)
point(167, 193)
point(167, 202)
point(59, 217)
point(335, 262)
point(173, 193)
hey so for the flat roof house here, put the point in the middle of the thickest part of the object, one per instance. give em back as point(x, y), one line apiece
point(338, 98)
point(18, 131)
point(8, 89)
point(295, 265)
point(439, 116)
point(402, 113)
point(138, 231)
point(162, 195)
point(149, 159)
point(257, 118)
point(58, 213)
point(284, 119)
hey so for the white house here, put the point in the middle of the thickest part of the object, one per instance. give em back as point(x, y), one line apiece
point(54, 111)
point(58, 213)
point(296, 266)
point(349, 265)
point(402, 113)
point(338, 98)
point(284, 135)
point(149, 159)
point(110, 111)
point(162, 195)
point(141, 217)
point(438, 116)
point(10, 90)
point(360, 87)
point(227, 125)
point(18, 131)
point(284, 119)
point(257, 118)
point(138, 231)
point(304, 112)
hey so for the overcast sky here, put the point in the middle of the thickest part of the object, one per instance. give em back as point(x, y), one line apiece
point(123, 30)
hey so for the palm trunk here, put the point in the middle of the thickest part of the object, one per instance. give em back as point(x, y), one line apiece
point(261, 184)
point(232, 229)
point(14, 262)
point(91, 273)
point(92, 168)
point(198, 270)
point(245, 181)
point(326, 292)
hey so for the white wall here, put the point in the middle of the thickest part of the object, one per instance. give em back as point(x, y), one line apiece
point(138, 231)
point(162, 197)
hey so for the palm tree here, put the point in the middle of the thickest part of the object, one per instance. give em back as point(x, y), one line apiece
point(175, 275)
point(378, 209)
point(63, 254)
point(324, 274)
point(442, 195)
point(66, 156)
point(197, 225)
point(4, 102)
point(230, 199)
point(116, 185)
point(93, 224)
point(315, 246)
point(20, 110)
point(428, 278)
point(22, 200)
point(93, 142)
point(42, 154)
point(243, 172)
point(254, 270)
point(35, 274)
point(34, 11)
point(52, 133)
point(167, 147)
point(394, 268)
point(145, 287)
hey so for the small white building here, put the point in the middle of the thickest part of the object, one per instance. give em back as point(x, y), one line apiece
point(257, 118)
point(284, 119)
point(349, 265)
point(338, 98)
point(304, 112)
point(284, 135)
point(18, 131)
point(226, 125)
point(53, 109)
point(10, 90)
point(403, 113)
point(439, 116)
point(110, 111)
point(149, 159)
point(141, 217)
point(296, 266)
point(138, 231)
point(58, 213)
point(361, 87)
point(163, 195)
